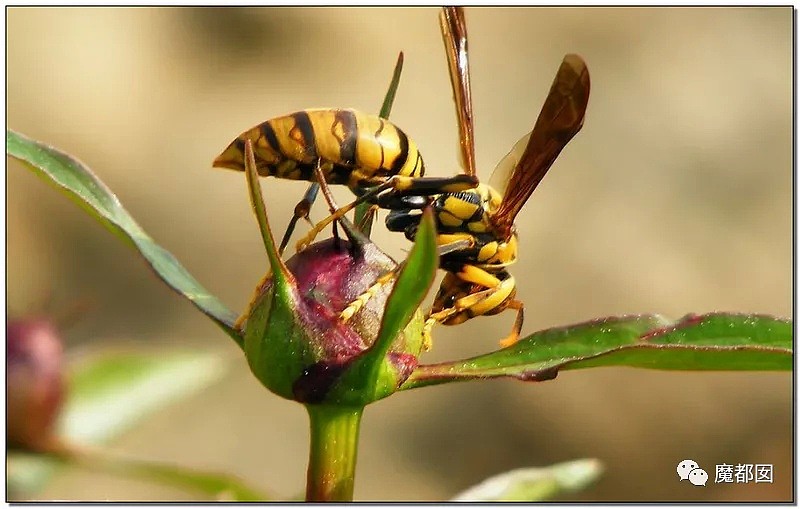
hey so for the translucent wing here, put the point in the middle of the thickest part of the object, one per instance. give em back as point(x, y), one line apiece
point(560, 119)
point(454, 33)
point(505, 168)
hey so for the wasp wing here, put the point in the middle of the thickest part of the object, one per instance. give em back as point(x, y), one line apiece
point(454, 34)
point(505, 168)
point(560, 119)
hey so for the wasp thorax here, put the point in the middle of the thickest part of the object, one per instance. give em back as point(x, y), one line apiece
point(305, 334)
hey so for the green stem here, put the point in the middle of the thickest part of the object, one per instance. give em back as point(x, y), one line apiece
point(334, 447)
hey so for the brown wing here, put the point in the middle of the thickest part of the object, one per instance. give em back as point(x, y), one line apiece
point(454, 33)
point(560, 119)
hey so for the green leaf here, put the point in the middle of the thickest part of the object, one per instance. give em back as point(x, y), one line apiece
point(212, 485)
point(26, 473)
point(716, 341)
point(110, 392)
point(534, 484)
point(386, 110)
point(216, 486)
point(78, 182)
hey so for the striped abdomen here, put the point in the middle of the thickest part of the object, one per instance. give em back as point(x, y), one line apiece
point(353, 148)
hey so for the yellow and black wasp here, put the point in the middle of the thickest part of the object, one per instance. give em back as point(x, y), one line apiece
point(367, 153)
point(481, 219)
point(380, 164)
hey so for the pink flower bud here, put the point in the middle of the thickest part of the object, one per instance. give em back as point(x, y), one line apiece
point(35, 390)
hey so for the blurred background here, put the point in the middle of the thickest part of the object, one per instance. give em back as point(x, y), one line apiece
point(676, 197)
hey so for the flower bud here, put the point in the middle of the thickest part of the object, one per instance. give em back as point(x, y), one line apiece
point(298, 345)
point(35, 390)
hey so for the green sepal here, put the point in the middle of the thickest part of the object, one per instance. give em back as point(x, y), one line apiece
point(276, 344)
point(296, 343)
point(375, 374)
point(386, 110)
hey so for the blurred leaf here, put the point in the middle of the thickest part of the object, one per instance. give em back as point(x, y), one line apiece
point(534, 484)
point(217, 486)
point(26, 473)
point(386, 110)
point(108, 394)
point(715, 341)
point(214, 486)
point(81, 185)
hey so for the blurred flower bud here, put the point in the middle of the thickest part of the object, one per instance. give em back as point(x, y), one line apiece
point(299, 347)
point(35, 383)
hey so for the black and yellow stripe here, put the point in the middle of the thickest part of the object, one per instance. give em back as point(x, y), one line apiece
point(353, 148)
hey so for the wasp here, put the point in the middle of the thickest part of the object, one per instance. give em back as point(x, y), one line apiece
point(366, 153)
point(481, 219)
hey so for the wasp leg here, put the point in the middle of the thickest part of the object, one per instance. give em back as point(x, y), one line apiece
point(396, 185)
point(301, 211)
point(368, 217)
point(493, 300)
point(513, 336)
point(359, 302)
point(464, 304)
point(326, 191)
point(473, 274)
point(356, 238)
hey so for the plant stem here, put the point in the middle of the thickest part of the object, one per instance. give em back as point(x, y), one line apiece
point(334, 447)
